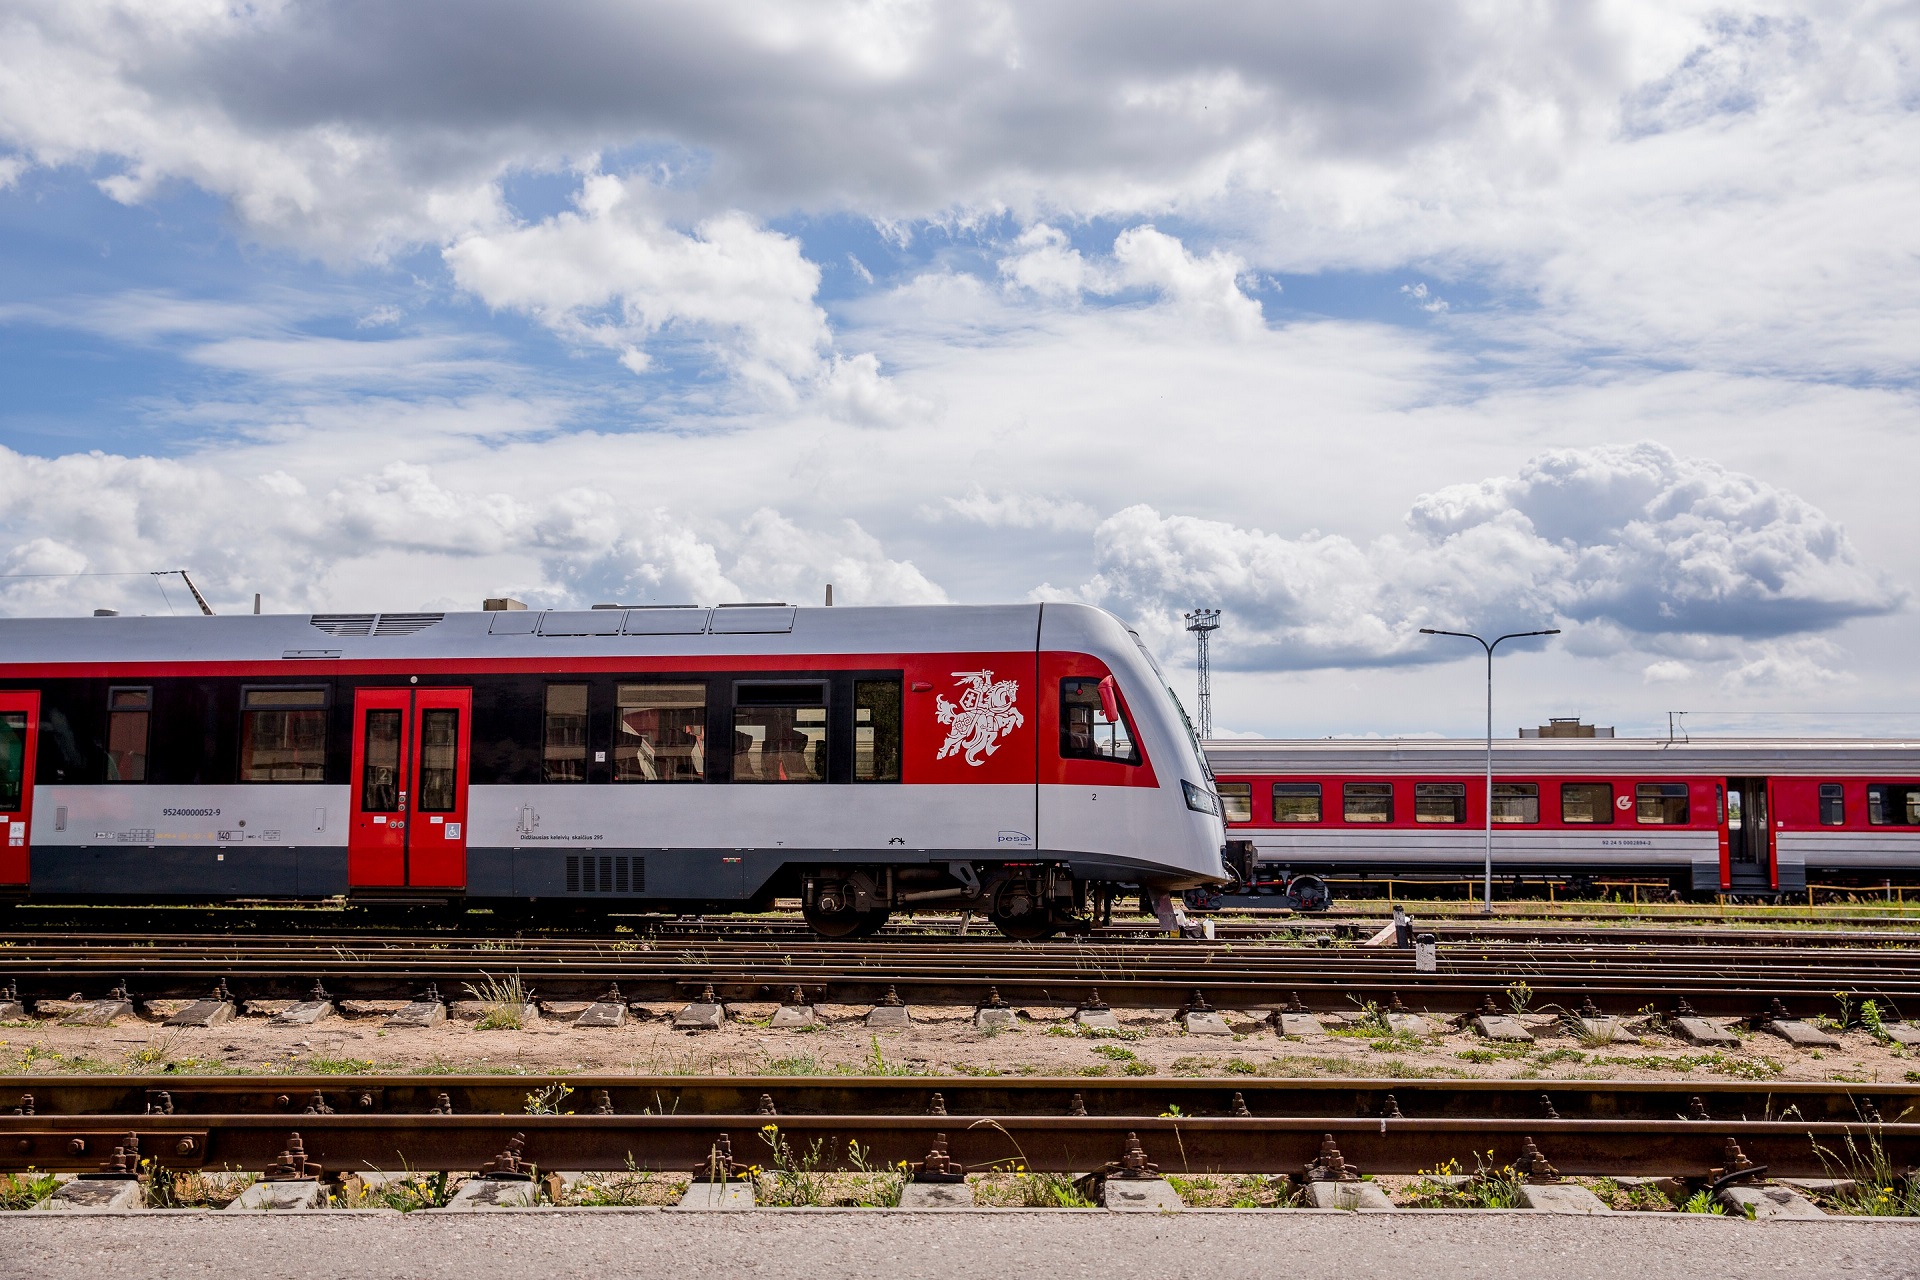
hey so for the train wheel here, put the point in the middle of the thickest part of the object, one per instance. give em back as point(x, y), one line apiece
point(1028, 926)
point(845, 924)
point(1309, 893)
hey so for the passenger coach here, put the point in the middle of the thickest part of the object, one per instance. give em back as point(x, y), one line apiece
point(1015, 760)
point(1742, 816)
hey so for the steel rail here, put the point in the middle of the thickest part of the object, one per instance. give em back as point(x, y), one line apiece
point(1064, 1144)
point(292, 1096)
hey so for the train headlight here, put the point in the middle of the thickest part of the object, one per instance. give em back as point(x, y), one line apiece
point(1200, 800)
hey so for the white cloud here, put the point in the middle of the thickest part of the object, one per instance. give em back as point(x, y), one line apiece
point(1017, 510)
point(1204, 290)
point(1631, 546)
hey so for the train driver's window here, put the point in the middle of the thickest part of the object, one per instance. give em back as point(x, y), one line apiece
point(660, 732)
point(1586, 802)
point(876, 730)
point(127, 730)
point(1516, 802)
point(1893, 804)
point(1296, 802)
point(1369, 801)
point(1439, 802)
point(780, 732)
point(283, 735)
point(564, 734)
point(1660, 803)
point(1833, 805)
point(1236, 801)
point(1093, 725)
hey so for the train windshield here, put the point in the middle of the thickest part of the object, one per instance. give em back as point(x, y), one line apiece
point(1193, 739)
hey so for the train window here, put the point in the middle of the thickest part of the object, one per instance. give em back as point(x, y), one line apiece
point(1369, 801)
point(660, 733)
point(564, 746)
point(1893, 804)
point(1296, 802)
point(1516, 802)
point(380, 763)
point(1587, 802)
point(1439, 802)
point(13, 759)
point(283, 735)
point(439, 759)
point(1092, 724)
point(127, 732)
point(1660, 803)
point(876, 730)
point(780, 732)
point(1236, 800)
point(1833, 805)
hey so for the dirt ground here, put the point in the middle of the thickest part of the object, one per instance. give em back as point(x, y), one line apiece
point(940, 1041)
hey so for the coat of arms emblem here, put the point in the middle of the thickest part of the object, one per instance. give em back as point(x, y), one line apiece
point(985, 714)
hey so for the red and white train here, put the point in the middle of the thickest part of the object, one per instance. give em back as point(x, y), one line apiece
point(1013, 760)
point(1745, 816)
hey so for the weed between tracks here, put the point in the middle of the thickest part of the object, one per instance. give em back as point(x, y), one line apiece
point(1878, 1190)
point(25, 1190)
point(796, 1180)
point(192, 1188)
point(633, 1188)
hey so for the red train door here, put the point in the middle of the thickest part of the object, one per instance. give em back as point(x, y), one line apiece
point(19, 736)
point(409, 797)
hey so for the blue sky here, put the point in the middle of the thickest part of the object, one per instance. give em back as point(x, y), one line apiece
point(1347, 322)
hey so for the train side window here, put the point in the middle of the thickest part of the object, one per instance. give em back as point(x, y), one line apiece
point(564, 734)
point(128, 729)
point(1893, 804)
point(1660, 803)
point(1833, 805)
point(283, 735)
point(1092, 724)
point(876, 730)
point(660, 733)
point(380, 762)
point(1586, 802)
point(1296, 802)
point(780, 732)
point(1516, 802)
point(439, 760)
point(1236, 800)
point(13, 759)
point(1368, 801)
point(1439, 802)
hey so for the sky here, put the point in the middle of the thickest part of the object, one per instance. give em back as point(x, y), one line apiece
point(1347, 319)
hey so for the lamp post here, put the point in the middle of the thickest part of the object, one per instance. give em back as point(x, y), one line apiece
point(1487, 905)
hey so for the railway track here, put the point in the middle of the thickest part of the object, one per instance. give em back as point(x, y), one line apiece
point(1057, 1125)
point(1617, 979)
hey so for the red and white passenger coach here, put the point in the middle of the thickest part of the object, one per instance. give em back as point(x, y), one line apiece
point(1747, 816)
point(1011, 759)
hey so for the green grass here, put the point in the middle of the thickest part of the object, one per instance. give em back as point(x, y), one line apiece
point(25, 1190)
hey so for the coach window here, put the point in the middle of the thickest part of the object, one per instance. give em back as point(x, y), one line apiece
point(127, 732)
point(564, 736)
point(876, 730)
point(1833, 805)
point(1296, 802)
point(780, 732)
point(1586, 802)
point(283, 735)
point(1893, 804)
point(659, 733)
point(1236, 800)
point(1516, 802)
point(13, 758)
point(1092, 725)
point(1369, 801)
point(439, 760)
point(380, 762)
point(1439, 802)
point(1660, 803)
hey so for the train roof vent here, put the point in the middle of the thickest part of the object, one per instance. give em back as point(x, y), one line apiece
point(344, 624)
point(404, 624)
point(374, 624)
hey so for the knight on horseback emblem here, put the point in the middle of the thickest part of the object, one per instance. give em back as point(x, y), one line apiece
point(986, 713)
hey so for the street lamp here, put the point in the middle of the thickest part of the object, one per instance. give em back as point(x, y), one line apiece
point(1487, 906)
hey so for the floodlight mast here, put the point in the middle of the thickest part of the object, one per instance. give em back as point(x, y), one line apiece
point(1203, 623)
point(1487, 903)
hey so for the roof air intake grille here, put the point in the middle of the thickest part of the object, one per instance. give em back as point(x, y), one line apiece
point(374, 624)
